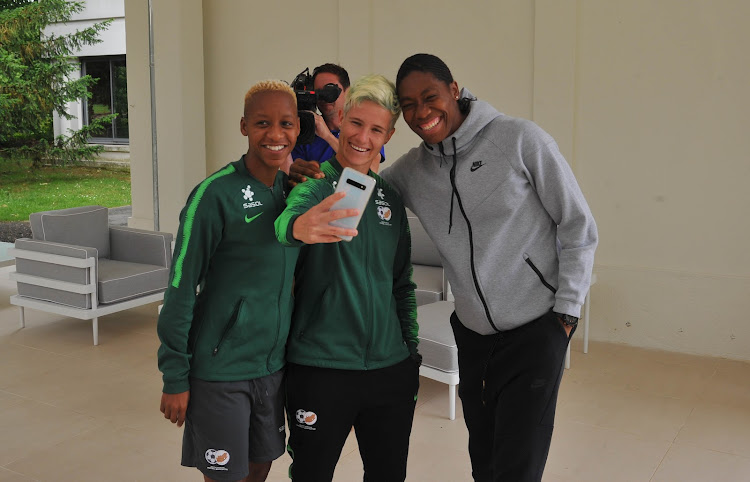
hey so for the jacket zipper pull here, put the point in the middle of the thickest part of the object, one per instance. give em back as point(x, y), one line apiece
point(216, 350)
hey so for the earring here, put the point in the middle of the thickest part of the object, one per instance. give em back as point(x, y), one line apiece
point(456, 97)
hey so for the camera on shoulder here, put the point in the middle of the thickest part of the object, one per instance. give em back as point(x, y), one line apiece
point(307, 103)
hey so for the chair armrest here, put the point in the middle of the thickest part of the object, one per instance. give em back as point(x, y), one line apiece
point(140, 246)
point(59, 249)
point(55, 272)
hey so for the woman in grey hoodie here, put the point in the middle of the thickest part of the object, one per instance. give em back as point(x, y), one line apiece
point(517, 240)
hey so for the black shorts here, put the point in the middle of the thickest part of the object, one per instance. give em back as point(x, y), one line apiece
point(229, 424)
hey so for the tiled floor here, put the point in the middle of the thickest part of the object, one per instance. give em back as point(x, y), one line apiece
point(70, 411)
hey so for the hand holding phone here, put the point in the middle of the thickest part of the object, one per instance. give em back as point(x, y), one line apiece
point(358, 188)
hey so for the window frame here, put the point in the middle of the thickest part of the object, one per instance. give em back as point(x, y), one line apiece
point(110, 59)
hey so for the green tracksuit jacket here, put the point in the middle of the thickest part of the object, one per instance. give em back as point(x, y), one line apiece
point(236, 327)
point(355, 307)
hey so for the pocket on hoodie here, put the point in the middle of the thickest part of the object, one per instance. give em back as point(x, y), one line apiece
point(530, 263)
point(250, 330)
point(228, 327)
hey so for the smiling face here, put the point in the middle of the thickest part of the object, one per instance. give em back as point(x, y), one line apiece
point(271, 125)
point(430, 106)
point(364, 131)
point(330, 112)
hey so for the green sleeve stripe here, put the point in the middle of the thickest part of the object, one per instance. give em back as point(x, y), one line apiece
point(187, 226)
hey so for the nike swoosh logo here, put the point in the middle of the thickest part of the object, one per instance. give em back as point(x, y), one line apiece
point(250, 220)
point(474, 168)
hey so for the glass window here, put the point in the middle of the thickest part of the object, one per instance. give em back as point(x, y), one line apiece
point(108, 95)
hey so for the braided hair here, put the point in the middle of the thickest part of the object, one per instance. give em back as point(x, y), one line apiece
point(431, 64)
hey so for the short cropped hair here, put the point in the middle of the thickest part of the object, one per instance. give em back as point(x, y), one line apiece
point(377, 89)
point(431, 64)
point(334, 69)
point(268, 86)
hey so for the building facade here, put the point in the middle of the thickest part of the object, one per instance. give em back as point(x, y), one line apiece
point(105, 62)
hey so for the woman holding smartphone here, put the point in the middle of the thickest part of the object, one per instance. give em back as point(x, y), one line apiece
point(352, 349)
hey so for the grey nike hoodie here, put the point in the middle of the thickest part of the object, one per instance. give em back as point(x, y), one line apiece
point(503, 207)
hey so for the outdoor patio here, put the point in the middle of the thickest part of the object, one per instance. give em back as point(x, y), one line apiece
point(70, 411)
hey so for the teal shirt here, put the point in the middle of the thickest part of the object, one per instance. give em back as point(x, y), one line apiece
point(236, 327)
point(355, 306)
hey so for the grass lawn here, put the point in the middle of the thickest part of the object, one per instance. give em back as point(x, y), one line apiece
point(24, 190)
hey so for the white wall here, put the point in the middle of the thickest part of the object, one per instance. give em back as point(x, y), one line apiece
point(113, 39)
point(647, 100)
point(62, 126)
point(373, 39)
point(101, 9)
point(662, 110)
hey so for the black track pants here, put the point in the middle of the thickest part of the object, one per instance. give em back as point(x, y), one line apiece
point(323, 405)
point(510, 420)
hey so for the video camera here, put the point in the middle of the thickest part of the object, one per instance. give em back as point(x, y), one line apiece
point(307, 103)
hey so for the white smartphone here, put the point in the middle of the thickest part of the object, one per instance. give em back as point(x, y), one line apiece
point(358, 188)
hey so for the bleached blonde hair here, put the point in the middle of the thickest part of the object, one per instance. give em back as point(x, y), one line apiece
point(377, 89)
point(268, 86)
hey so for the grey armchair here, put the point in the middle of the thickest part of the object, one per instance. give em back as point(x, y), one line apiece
point(77, 265)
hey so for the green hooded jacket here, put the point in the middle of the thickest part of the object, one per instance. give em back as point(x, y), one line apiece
point(236, 327)
point(355, 307)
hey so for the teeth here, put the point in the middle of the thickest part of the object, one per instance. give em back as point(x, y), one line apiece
point(431, 124)
point(358, 149)
point(274, 148)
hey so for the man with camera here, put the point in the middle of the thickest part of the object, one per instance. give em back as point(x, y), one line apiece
point(327, 124)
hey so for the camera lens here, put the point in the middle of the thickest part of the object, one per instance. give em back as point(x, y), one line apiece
point(328, 98)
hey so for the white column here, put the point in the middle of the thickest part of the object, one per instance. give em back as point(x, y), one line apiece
point(180, 107)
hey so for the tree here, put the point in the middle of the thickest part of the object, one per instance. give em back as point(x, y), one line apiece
point(35, 68)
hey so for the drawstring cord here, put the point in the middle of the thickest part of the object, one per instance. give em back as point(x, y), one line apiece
point(454, 191)
point(453, 179)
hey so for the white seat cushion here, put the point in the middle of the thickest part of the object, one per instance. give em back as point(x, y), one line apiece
point(437, 344)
